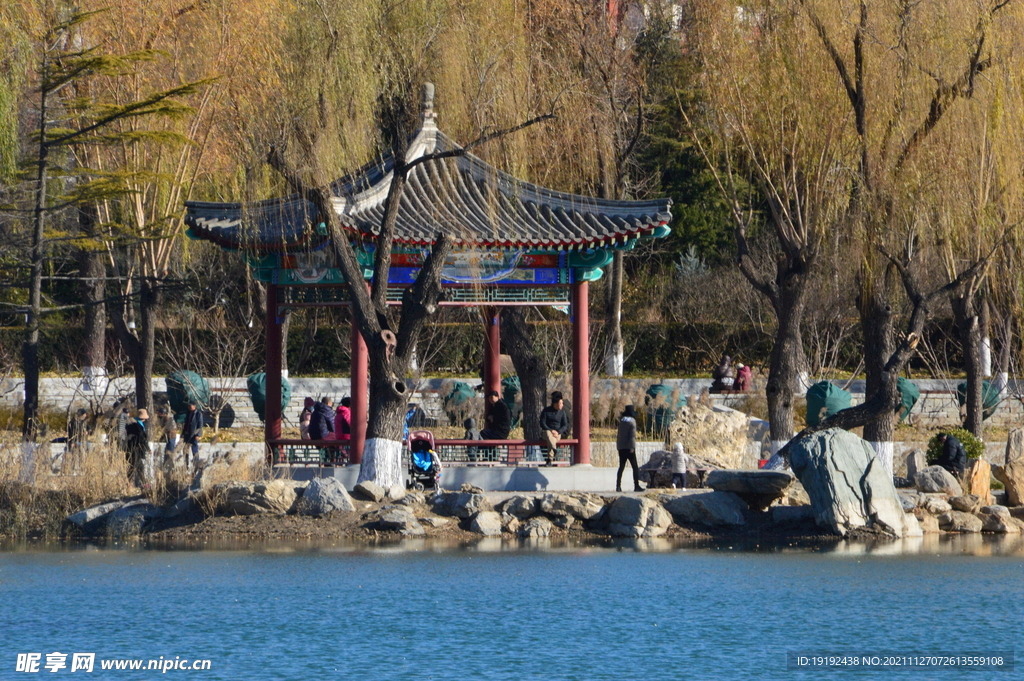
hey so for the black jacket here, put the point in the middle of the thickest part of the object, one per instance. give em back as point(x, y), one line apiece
point(192, 428)
point(554, 419)
point(499, 422)
point(954, 456)
point(321, 422)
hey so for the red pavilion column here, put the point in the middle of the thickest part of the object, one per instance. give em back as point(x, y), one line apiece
point(272, 422)
point(581, 371)
point(360, 394)
point(492, 350)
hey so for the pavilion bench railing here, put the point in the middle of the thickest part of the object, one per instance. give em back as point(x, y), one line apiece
point(309, 452)
point(452, 453)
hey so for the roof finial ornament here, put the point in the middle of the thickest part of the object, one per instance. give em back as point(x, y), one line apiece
point(429, 118)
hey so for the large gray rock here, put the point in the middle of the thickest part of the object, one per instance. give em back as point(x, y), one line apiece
point(461, 504)
point(916, 462)
point(996, 519)
point(1012, 477)
point(370, 491)
point(637, 517)
point(759, 488)
point(487, 523)
point(968, 503)
point(580, 506)
point(520, 506)
point(1014, 446)
point(323, 496)
point(848, 486)
point(251, 498)
point(909, 498)
point(129, 520)
point(536, 528)
point(88, 515)
point(937, 479)
point(936, 505)
point(705, 508)
point(412, 499)
point(400, 519)
point(958, 521)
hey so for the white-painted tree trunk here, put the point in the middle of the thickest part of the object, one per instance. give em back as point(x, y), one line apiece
point(986, 357)
point(94, 379)
point(1002, 382)
point(382, 463)
point(803, 381)
point(884, 452)
point(614, 363)
point(776, 462)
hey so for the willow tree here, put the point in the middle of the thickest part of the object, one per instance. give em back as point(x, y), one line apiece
point(776, 137)
point(351, 83)
point(924, 83)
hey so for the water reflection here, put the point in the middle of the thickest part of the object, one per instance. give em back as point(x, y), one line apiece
point(931, 544)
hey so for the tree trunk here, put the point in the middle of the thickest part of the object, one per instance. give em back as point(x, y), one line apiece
point(531, 368)
point(92, 273)
point(876, 327)
point(389, 401)
point(965, 314)
point(786, 360)
point(149, 303)
point(613, 354)
point(30, 350)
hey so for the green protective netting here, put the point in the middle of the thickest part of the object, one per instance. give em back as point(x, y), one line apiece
point(184, 387)
point(460, 394)
point(257, 385)
point(990, 398)
point(660, 407)
point(510, 390)
point(823, 400)
point(909, 394)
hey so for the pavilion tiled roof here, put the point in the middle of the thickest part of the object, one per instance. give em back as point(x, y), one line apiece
point(463, 196)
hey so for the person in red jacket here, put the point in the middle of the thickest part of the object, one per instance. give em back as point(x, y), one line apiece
point(343, 420)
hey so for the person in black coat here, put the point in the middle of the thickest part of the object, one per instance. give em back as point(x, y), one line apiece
point(554, 426)
point(138, 447)
point(954, 456)
point(321, 423)
point(499, 419)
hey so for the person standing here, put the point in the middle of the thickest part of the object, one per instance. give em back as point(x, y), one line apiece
point(137, 438)
point(78, 433)
point(343, 420)
point(321, 423)
point(168, 431)
point(625, 442)
point(679, 464)
point(304, 417)
point(191, 431)
point(954, 456)
point(554, 426)
point(499, 418)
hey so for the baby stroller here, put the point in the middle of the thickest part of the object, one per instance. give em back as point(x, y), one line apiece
point(424, 463)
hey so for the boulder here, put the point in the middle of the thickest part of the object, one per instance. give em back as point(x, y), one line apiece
point(129, 520)
point(399, 519)
point(580, 506)
point(717, 438)
point(637, 517)
point(937, 479)
point(916, 462)
point(1014, 446)
point(182, 506)
point(1012, 477)
point(705, 508)
point(958, 521)
point(471, 489)
point(370, 491)
point(791, 515)
point(909, 499)
point(510, 523)
point(968, 503)
point(251, 498)
point(434, 521)
point(563, 522)
point(795, 495)
point(520, 506)
point(978, 480)
point(461, 504)
point(396, 492)
point(93, 513)
point(535, 528)
point(758, 488)
point(324, 495)
point(487, 523)
point(848, 486)
point(936, 505)
point(997, 519)
point(412, 499)
point(912, 528)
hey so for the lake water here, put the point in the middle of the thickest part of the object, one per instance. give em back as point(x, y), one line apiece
point(496, 610)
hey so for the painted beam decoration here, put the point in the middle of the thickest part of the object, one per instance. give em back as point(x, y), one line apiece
point(506, 231)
